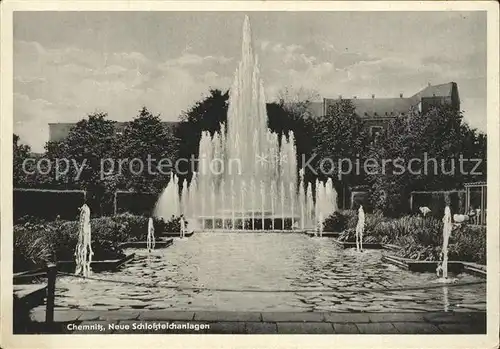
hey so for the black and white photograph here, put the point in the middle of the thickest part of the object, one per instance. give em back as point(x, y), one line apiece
point(251, 172)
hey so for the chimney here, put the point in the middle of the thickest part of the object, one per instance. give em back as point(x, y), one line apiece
point(400, 95)
point(340, 96)
point(373, 96)
point(429, 84)
point(355, 97)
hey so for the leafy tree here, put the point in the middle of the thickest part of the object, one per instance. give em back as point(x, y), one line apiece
point(297, 102)
point(88, 144)
point(205, 115)
point(292, 112)
point(341, 142)
point(429, 147)
point(21, 152)
point(146, 143)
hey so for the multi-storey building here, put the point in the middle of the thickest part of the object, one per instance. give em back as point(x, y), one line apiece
point(377, 112)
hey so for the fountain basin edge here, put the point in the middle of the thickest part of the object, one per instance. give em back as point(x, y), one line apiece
point(144, 244)
point(366, 246)
point(430, 266)
point(325, 234)
point(256, 231)
point(97, 266)
point(174, 234)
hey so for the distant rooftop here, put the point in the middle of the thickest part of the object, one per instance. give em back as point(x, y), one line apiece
point(387, 107)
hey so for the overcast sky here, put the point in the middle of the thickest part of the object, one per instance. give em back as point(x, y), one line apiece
point(69, 64)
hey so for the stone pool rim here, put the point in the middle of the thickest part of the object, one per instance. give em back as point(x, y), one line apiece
point(258, 322)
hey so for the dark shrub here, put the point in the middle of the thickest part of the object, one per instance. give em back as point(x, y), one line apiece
point(468, 243)
point(135, 203)
point(135, 228)
point(172, 225)
point(336, 222)
point(31, 247)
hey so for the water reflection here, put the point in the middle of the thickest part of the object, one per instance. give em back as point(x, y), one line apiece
point(355, 281)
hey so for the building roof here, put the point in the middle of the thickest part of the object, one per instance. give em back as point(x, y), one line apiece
point(378, 107)
point(442, 90)
point(386, 107)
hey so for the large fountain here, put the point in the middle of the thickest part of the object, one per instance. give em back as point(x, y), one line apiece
point(247, 175)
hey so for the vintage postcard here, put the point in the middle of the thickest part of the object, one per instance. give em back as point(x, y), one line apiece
point(250, 174)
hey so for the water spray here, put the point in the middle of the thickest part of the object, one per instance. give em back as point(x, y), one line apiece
point(360, 227)
point(150, 240)
point(83, 251)
point(442, 269)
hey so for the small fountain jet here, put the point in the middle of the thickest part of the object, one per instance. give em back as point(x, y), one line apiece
point(360, 227)
point(320, 225)
point(151, 241)
point(442, 269)
point(83, 251)
point(183, 227)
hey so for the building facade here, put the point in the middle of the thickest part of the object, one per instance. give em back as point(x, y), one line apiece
point(377, 112)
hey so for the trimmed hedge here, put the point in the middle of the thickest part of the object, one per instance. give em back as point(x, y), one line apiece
point(135, 203)
point(47, 204)
point(336, 222)
point(136, 227)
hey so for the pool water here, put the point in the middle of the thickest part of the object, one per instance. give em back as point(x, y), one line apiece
point(302, 273)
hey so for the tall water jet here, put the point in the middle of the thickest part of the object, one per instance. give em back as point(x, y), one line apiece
point(150, 239)
point(252, 193)
point(192, 190)
point(184, 198)
point(262, 203)
point(212, 200)
point(309, 206)
point(242, 204)
point(442, 269)
point(83, 251)
point(282, 194)
point(360, 227)
point(233, 194)
point(262, 157)
point(302, 200)
point(273, 195)
point(168, 204)
point(292, 202)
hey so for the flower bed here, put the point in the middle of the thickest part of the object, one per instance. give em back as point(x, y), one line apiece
point(419, 237)
point(38, 242)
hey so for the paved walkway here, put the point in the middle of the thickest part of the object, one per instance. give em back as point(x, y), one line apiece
point(164, 321)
